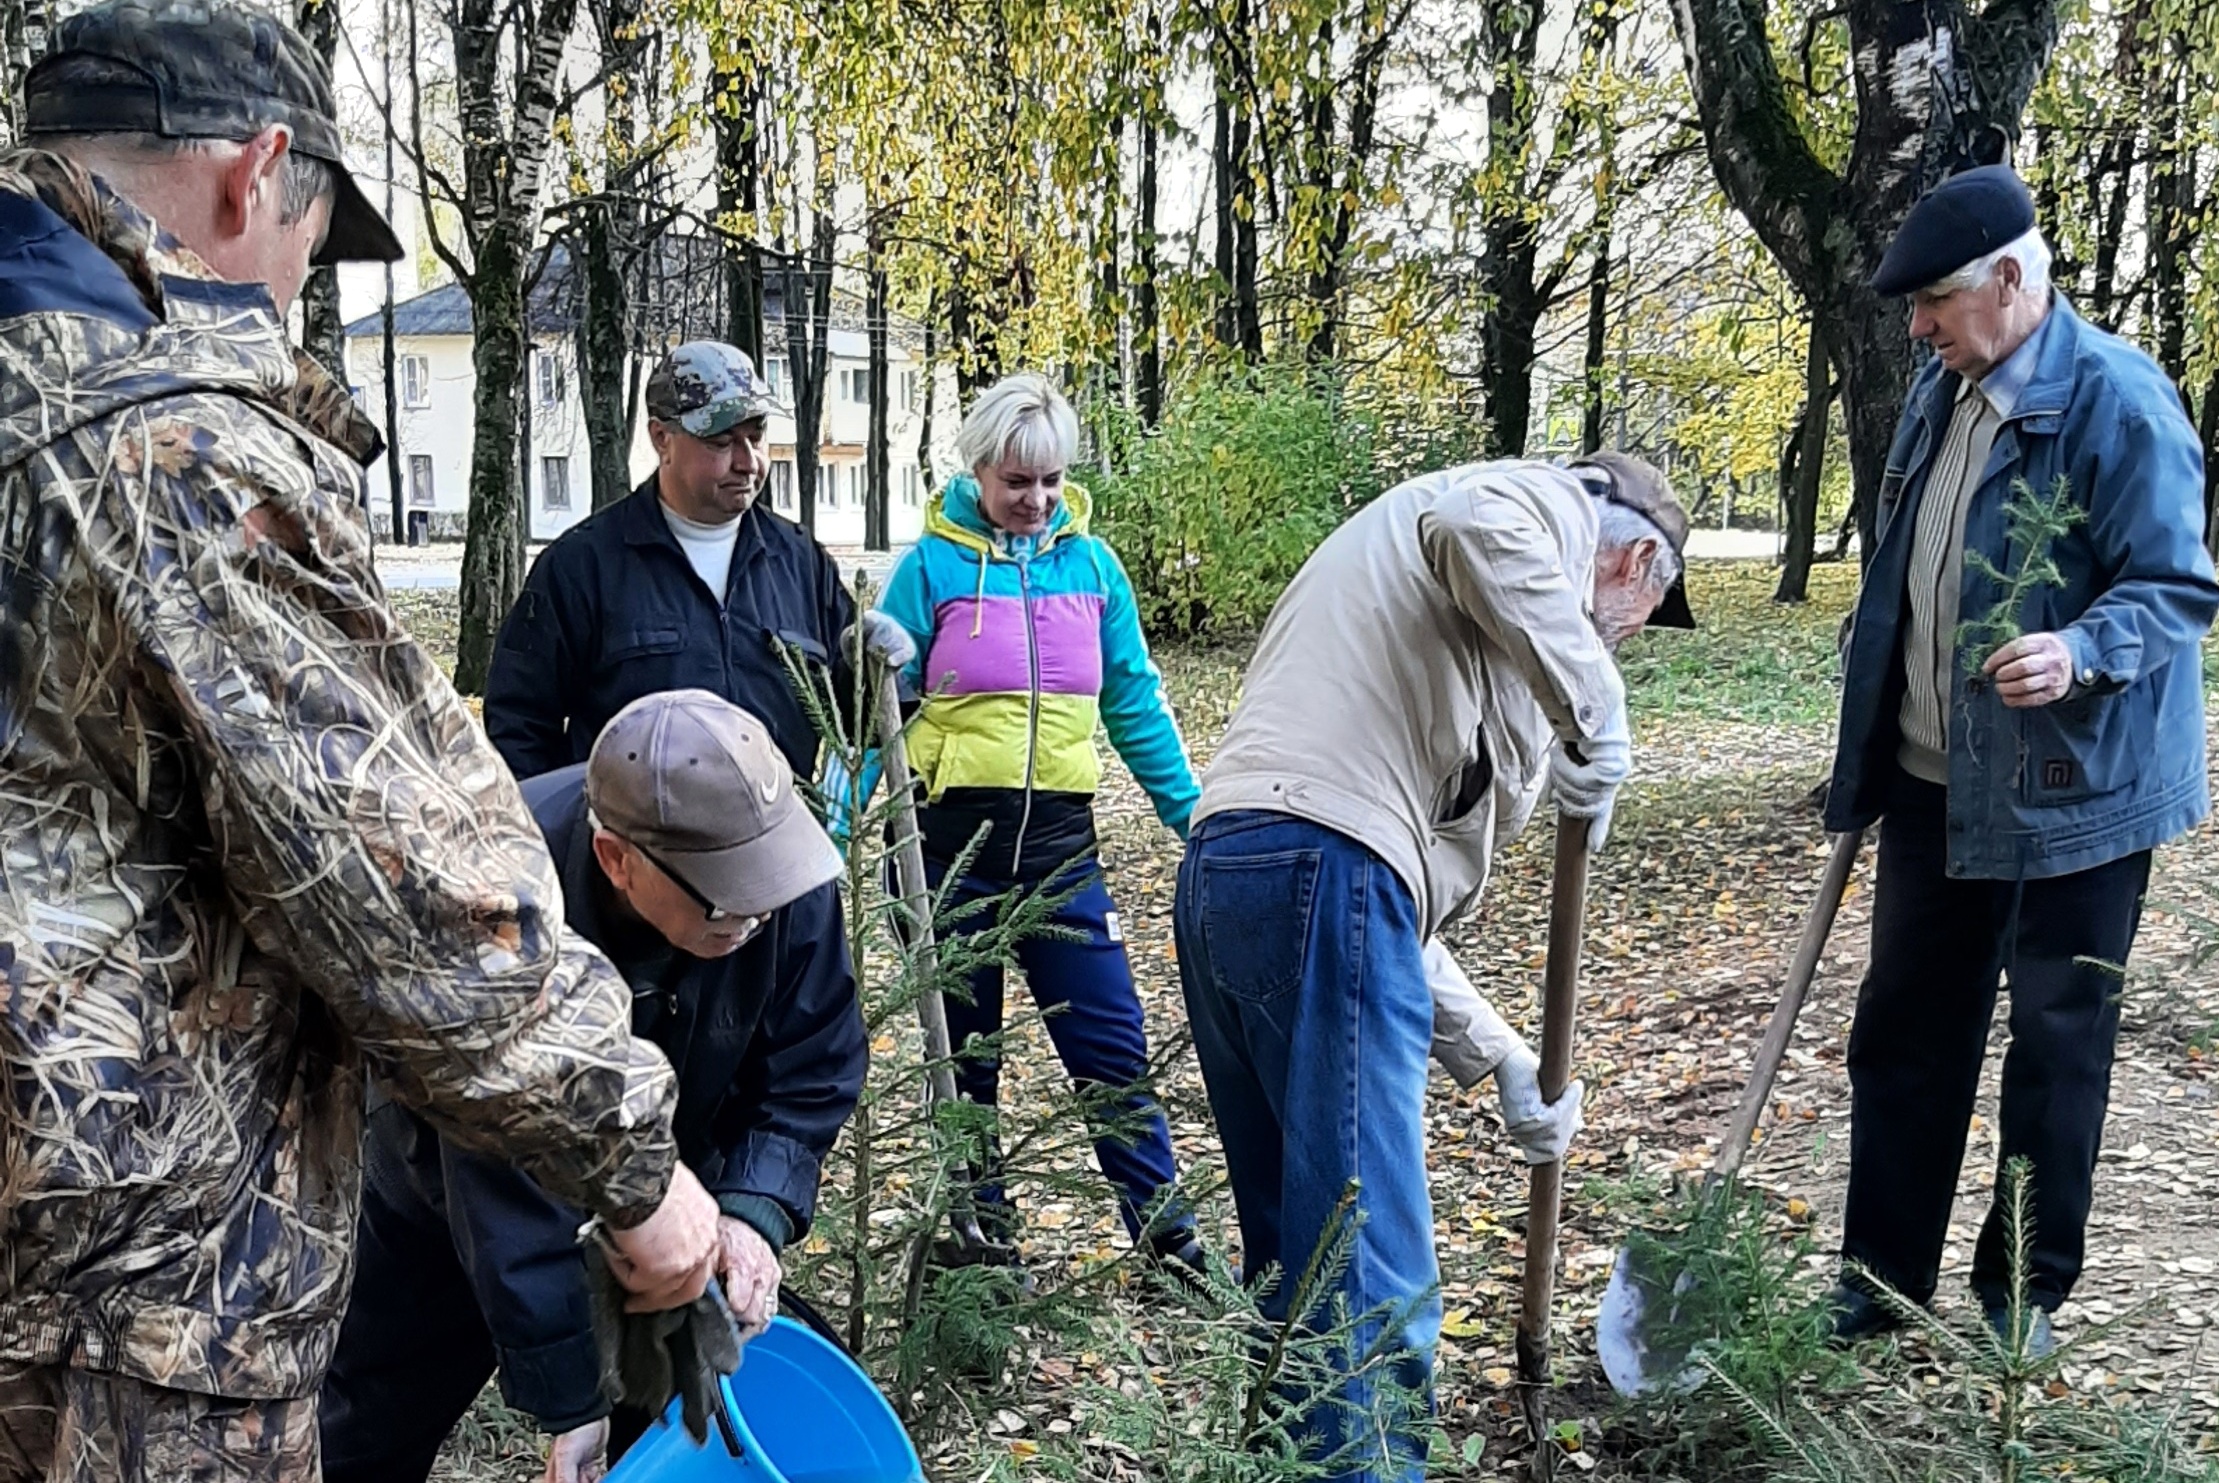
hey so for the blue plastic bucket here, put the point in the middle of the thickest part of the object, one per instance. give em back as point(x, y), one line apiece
point(800, 1410)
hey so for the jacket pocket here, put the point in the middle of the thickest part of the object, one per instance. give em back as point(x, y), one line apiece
point(2087, 746)
point(1256, 919)
point(642, 643)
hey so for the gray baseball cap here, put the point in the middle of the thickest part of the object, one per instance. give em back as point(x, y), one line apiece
point(707, 387)
point(204, 69)
point(698, 783)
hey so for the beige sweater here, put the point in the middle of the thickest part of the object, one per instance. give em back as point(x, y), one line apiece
point(1451, 612)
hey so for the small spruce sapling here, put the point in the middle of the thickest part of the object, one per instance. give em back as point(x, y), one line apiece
point(2033, 524)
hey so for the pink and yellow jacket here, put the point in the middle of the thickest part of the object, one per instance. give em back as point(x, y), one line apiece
point(1023, 643)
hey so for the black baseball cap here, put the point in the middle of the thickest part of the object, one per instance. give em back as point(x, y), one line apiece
point(203, 69)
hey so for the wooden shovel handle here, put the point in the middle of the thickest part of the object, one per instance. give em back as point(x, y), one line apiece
point(1818, 925)
point(1559, 1000)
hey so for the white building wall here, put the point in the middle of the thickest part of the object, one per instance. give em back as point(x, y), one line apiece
point(440, 429)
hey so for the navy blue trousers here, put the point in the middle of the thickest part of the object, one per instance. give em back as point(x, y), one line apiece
point(1083, 985)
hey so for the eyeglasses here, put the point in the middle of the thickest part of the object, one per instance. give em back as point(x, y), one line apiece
point(710, 911)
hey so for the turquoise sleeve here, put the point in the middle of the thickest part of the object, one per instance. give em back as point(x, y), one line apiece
point(908, 601)
point(1135, 710)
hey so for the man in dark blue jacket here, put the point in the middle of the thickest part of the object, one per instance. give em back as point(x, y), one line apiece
point(2021, 774)
point(687, 856)
point(688, 583)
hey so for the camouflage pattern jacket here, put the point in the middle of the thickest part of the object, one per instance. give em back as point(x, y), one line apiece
point(251, 842)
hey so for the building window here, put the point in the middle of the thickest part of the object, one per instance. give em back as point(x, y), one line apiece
point(909, 391)
point(415, 382)
point(855, 385)
point(782, 483)
point(419, 480)
point(774, 371)
point(909, 485)
point(551, 379)
point(828, 485)
point(554, 482)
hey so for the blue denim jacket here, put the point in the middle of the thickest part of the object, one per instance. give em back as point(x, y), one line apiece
point(2117, 766)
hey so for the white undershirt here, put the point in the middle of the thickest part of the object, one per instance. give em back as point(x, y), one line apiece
point(708, 547)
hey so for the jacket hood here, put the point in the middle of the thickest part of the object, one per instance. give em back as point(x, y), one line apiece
point(101, 310)
point(956, 516)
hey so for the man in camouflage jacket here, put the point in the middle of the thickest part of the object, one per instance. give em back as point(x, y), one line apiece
point(251, 843)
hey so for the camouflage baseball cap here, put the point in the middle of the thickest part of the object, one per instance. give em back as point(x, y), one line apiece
point(203, 69)
point(707, 387)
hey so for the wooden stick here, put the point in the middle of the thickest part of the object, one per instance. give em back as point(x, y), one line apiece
point(916, 899)
point(1559, 1000)
point(1818, 924)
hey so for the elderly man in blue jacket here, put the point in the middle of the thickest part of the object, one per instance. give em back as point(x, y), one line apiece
point(2020, 787)
point(687, 856)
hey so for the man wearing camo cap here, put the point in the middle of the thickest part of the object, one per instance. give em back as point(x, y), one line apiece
point(691, 582)
point(255, 846)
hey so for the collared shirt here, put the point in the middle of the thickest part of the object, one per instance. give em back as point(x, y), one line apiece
point(1936, 577)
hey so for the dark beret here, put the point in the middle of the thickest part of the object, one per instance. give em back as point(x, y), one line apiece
point(1967, 216)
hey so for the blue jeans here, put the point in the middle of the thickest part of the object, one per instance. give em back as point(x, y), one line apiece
point(1305, 982)
point(1083, 985)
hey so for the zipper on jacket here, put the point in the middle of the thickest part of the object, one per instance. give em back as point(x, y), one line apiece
point(1032, 718)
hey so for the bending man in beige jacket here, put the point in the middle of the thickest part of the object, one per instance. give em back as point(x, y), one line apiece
point(1443, 655)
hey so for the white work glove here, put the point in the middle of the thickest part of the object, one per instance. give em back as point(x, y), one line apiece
point(580, 1455)
point(1542, 1130)
point(883, 639)
point(1585, 774)
point(1472, 1042)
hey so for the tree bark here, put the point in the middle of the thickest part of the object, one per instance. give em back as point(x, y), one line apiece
point(878, 532)
point(493, 545)
point(1239, 321)
point(1937, 89)
point(928, 393)
point(739, 200)
point(1803, 474)
point(323, 332)
point(503, 162)
point(807, 319)
point(2208, 426)
point(1147, 313)
point(393, 452)
point(607, 247)
point(1593, 367)
point(2174, 222)
point(1514, 290)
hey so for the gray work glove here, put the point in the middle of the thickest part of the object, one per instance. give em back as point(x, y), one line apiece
point(883, 639)
point(646, 1358)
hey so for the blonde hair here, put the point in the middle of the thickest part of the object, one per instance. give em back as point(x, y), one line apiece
point(1020, 419)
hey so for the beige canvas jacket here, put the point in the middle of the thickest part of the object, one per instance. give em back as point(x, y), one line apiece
point(1451, 614)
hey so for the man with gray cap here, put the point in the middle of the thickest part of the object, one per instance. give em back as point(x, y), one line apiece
point(690, 582)
point(256, 847)
point(2020, 783)
point(686, 852)
point(1461, 626)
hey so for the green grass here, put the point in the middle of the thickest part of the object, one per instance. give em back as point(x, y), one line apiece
point(1752, 660)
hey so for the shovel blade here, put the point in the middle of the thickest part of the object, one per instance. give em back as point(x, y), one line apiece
point(1635, 1360)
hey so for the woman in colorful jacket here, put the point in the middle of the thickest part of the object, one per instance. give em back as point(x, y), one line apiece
point(1026, 632)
